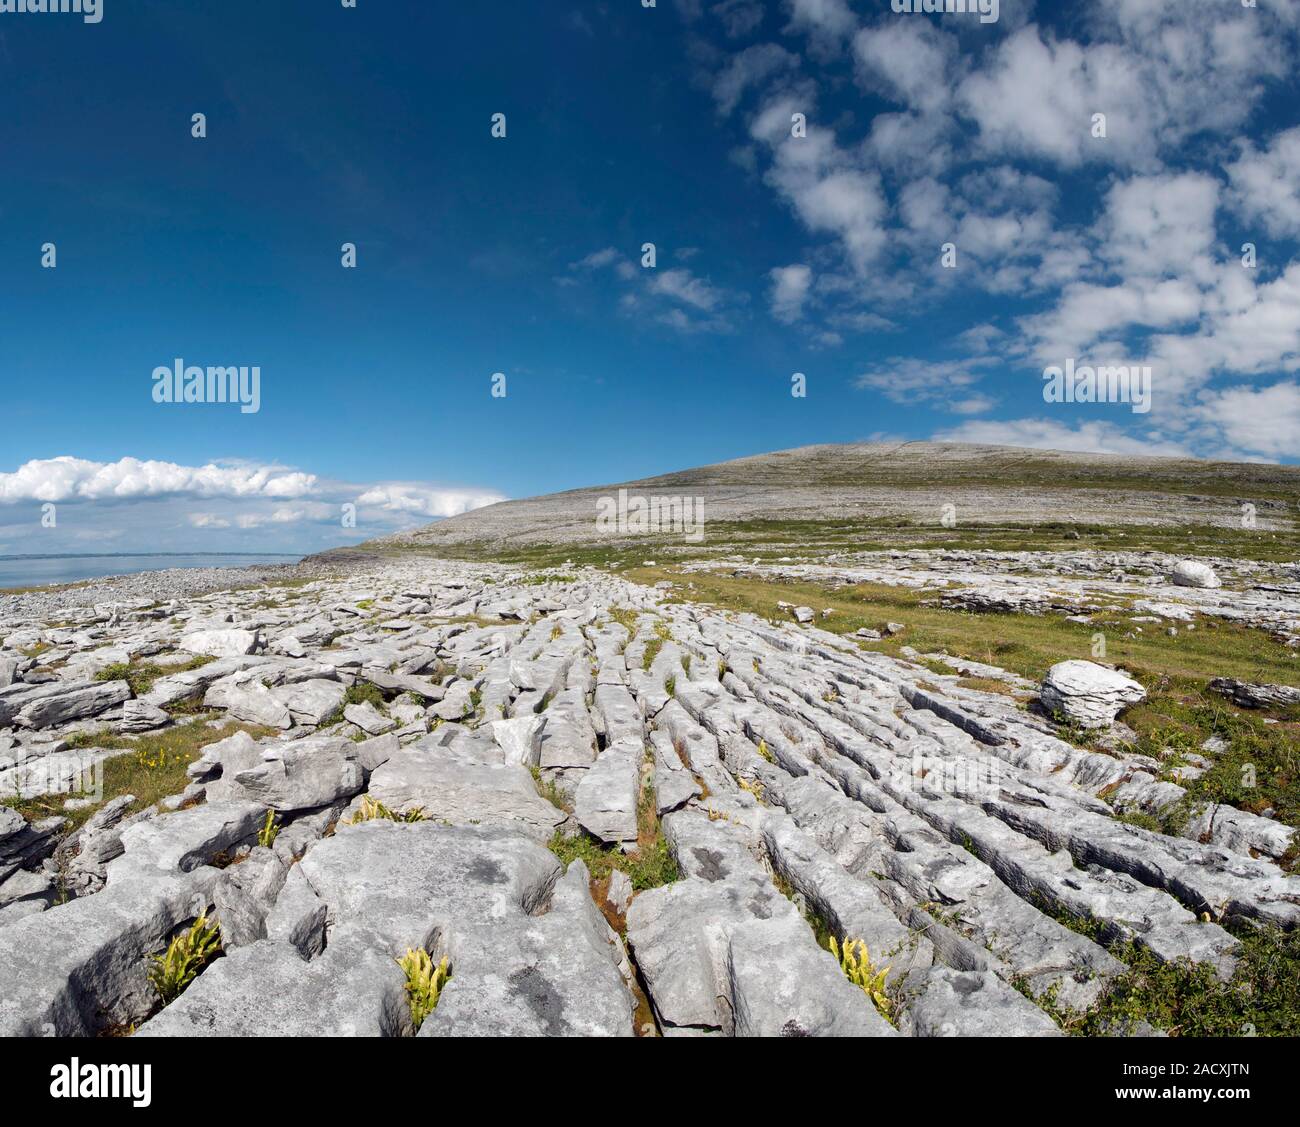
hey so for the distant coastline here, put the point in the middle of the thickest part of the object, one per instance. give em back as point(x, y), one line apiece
point(144, 555)
point(33, 570)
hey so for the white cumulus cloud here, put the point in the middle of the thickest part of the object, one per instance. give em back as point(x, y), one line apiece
point(790, 286)
point(76, 479)
point(1048, 434)
point(1266, 183)
point(422, 500)
point(1266, 420)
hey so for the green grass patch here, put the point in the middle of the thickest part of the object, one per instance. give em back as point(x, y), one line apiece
point(364, 692)
point(153, 769)
point(986, 685)
point(1184, 998)
point(1262, 998)
point(141, 675)
point(1258, 771)
point(652, 649)
point(1025, 644)
point(291, 583)
point(769, 539)
point(1179, 715)
point(361, 692)
point(662, 634)
point(1142, 821)
point(548, 789)
point(626, 617)
point(646, 867)
point(649, 865)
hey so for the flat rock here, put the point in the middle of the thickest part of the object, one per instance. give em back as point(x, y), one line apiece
point(1088, 694)
point(183, 841)
point(141, 716)
point(526, 951)
point(311, 702)
point(1254, 695)
point(251, 701)
point(369, 719)
point(45, 706)
point(220, 643)
point(606, 799)
point(453, 788)
point(950, 1003)
point(568, 737)
point(781, 984)
point(301, 774)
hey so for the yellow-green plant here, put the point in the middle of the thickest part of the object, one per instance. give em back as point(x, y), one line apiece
point(270, 830)
point(372, 808)
point(424, 983)
point(185, 956)
point(855, 962)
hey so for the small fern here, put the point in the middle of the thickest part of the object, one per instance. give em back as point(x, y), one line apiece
point(372, 809)
point(185, 956)
point(270, 830)
point(424, 983)
point(855, 962)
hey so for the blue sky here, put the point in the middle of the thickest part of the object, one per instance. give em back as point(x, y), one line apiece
point(776, 254)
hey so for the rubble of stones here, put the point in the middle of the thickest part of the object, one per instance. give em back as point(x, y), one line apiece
point(796, 779)
point(49, 603)
point(1152, 590)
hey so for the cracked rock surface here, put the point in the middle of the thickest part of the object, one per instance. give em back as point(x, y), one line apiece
point(1152, 586)
point(430, 740)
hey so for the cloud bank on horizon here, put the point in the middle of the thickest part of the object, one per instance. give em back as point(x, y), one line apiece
point(923, 213)
point(112, 505)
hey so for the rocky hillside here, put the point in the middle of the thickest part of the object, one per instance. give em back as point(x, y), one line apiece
point(915, 481)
